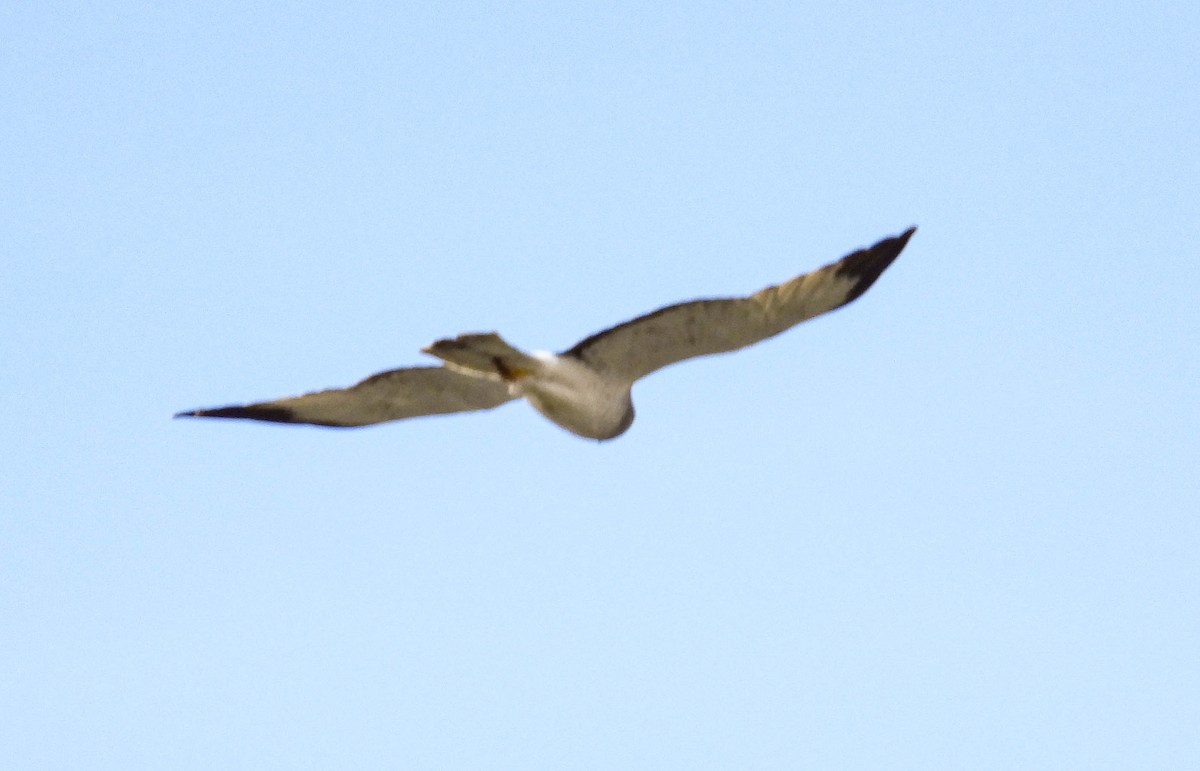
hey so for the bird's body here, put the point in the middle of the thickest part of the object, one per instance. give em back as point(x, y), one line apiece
point(587, 389)
point(572, 395)
point(560, 386)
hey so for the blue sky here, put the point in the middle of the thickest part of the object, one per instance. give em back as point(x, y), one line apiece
point(951, 526)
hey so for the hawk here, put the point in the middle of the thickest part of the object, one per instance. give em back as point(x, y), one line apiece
point(586, 389)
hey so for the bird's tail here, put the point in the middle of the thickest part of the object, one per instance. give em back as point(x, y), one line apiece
point(484, 355)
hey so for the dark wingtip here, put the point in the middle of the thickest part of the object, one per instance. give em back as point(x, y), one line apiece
point(866, 265)
point(250, 412)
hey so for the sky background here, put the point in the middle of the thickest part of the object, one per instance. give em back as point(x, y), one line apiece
point(954, 525)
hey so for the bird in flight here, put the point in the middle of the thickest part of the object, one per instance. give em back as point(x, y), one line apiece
point(586, 389)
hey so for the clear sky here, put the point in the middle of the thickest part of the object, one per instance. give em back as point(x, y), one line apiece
point(954, 525)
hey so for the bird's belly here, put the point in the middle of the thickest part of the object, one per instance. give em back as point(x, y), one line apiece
point(589, 418)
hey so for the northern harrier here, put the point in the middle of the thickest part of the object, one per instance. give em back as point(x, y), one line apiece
point(586, 389)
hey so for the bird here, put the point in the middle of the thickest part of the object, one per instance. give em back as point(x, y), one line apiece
point(586, 389)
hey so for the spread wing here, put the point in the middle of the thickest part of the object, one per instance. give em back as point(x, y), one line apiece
point(392, 395)
point(638, 347)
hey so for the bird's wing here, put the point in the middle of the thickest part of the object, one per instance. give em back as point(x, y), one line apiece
point(638, 347)
point(392, 395)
